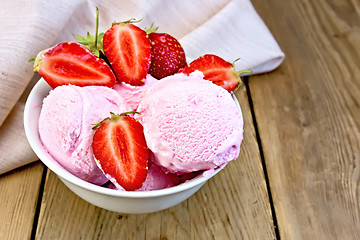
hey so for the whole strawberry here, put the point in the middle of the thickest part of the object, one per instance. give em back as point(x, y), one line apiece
point(120, 150)
point(167, 54)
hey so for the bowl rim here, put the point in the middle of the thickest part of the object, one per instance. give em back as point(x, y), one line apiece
point(40, 90)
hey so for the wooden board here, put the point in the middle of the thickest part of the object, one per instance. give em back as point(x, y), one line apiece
point(232, 205)
point(18, 199)
point(308, 114)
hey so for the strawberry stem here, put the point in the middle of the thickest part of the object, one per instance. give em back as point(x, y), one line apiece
point(239, 72)
point(127, 113)
point(151, 29)
point(243, 71)
point(235, 61)
point(131, 20)
point(38, 60)
point(93, 43)
point(97, 26)
point(113, 116)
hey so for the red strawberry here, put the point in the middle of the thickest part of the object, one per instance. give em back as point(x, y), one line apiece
point(120, 149)
point(72, 63)
point(168, 56)
point(127, 47)
point(217, 70)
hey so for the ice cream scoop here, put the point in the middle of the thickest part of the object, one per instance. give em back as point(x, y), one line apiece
point(190, 124)
point(65, 126)
point(133, 94)
point(157, 179)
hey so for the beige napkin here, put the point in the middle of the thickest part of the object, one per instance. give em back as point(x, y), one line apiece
point(229, 28)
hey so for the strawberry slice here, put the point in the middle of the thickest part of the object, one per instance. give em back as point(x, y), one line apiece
point(72, 63)
point(168, 56)
point(128, 50)
point(217, 70)
point(120, 149)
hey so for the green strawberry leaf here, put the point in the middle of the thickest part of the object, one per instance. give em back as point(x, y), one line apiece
point(94, 45)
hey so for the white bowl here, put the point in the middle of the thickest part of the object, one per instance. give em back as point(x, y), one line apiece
point(110, 199)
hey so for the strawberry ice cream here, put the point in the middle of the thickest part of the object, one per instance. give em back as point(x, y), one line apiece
point(190, 124)
point(157, 179)
point(133, 94)
point(65, 126)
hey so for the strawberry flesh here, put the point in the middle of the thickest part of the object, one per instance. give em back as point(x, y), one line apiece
point(121, 152)
point(72, 63)
point(215, 69)
point(167, 55)
point(128, 50)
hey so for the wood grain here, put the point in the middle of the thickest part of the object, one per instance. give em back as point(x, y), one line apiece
point(18, 199)
point(308, 115)
point(232, 205)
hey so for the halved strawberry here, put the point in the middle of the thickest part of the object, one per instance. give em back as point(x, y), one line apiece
point(120, 149)
point(217, 70)
point(72, 63)
point(127, 47)
point(167, 54)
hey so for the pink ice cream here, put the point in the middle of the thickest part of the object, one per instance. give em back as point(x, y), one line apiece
point(157, 179)
point(65, 126)
point(134, 94)
point(190, 124)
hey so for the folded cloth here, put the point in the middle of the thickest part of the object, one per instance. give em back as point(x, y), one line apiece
point(229, 28)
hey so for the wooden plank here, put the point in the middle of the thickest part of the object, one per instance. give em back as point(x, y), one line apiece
point(18, 199)
point(232, 205)
point(308, 116)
